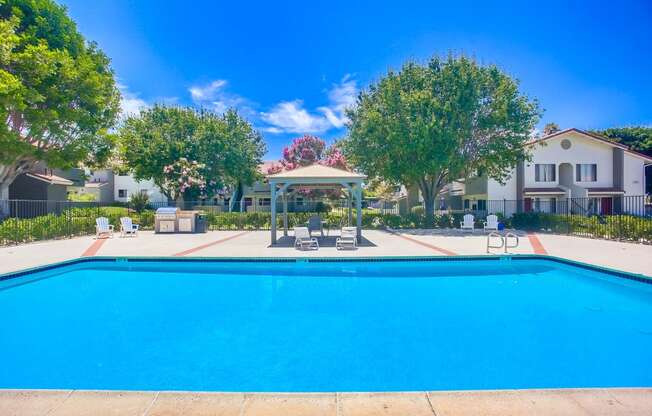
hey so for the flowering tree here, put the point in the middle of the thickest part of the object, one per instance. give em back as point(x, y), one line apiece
point(191, 153)
point(184, 177)
point(306, 151)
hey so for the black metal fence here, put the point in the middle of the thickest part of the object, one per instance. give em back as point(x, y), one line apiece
point(617, 217)
point(33, 220)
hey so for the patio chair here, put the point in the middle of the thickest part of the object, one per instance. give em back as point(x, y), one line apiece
point(315, 224)
point(468, 224)
point(492, 223)
point(303, 240)
point(102, 227)
point(127, 228)
point(347, 239)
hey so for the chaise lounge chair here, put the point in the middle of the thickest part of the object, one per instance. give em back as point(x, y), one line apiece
point(102, 227)
point(303, 240)
point(128, 228)
point(492, 223)
point(315, 224)
point(348, 238)
point(468, 224)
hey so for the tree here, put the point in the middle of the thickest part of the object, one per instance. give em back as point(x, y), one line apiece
point(638, 138)
point(448, 120)
point(308, 150)
point(550, 128)
point(191, 153)
point(58, 95)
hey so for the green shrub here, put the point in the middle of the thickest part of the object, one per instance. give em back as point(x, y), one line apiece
point(81, 221)
point(139, 202)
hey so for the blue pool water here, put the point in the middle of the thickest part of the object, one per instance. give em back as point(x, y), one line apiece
point(324, 326)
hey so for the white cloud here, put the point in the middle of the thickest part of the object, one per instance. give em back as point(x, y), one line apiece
point(292, 117)
point(130, 103)
point(214, 96)
point(341, 96)
point(206, 92)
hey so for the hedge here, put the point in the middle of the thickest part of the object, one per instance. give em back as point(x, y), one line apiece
point(81, 221)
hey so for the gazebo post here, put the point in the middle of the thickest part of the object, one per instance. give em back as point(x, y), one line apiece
point(285, 212)
point(358, 207)
point(349, 204)
point(273, 211)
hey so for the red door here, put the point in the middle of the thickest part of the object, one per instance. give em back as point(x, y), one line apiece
point(528, 204)
point(606, 205)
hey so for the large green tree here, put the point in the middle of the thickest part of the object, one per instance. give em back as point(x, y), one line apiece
point(191, 153)
point(450, 119)
point(58, 95)
point(638, 138)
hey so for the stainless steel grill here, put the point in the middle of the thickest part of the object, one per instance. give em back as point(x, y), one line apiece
point(165, 220)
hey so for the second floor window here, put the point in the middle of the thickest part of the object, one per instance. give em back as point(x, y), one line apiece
point(586, 172)
point(544, 172)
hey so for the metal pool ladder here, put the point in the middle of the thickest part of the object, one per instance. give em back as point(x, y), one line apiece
point(503, 240)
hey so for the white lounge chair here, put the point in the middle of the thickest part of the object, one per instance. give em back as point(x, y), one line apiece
point(492, 223)
point(303, 240)
point(102, 227)
point(468, 224)
point(348, 238)
point(128, 228)
point(315, 224)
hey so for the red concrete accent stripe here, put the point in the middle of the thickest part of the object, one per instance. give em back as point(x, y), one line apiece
point(421, 243)
point(203, 246)
point(536, 244)
point(94, 248)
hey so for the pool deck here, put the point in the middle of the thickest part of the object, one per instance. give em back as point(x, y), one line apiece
point(635, 258)
point(455, 403)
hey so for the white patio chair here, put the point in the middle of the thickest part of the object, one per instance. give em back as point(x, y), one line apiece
point(348, 238)
point(102, 227)
point(492, 223)
point(303, 240)
point(468, 224)
point(127, 228)
point(315, 224)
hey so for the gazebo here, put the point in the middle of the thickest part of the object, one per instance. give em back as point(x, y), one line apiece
point(315, 176)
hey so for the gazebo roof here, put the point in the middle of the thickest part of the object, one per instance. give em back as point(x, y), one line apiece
point(317, 172)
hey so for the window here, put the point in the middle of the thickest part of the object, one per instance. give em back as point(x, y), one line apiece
point(482, 204)
point(298, 201)
point(544, 172)
point(466, 204)
point(586, 172)
point(264, 202)
point(122, 193)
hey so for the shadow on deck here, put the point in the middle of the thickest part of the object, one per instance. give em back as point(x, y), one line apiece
point(324, 242)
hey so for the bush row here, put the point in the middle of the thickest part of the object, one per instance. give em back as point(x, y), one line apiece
point(81, 221)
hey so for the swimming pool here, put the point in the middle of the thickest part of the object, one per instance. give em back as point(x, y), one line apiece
point(289, 326)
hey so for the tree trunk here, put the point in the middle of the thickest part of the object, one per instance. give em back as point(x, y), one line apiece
point(9, 173)
point(429, 203)
point(4, 200)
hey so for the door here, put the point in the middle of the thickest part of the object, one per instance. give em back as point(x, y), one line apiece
point(528, 204)
point(606, 205)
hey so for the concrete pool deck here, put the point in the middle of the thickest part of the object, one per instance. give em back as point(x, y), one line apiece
point(587, 402)
point(635, 258)
point(629, 257)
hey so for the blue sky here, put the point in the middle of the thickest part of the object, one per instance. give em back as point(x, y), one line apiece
point(292, 67)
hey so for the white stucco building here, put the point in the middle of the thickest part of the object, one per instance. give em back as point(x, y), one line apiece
point(571, 170)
